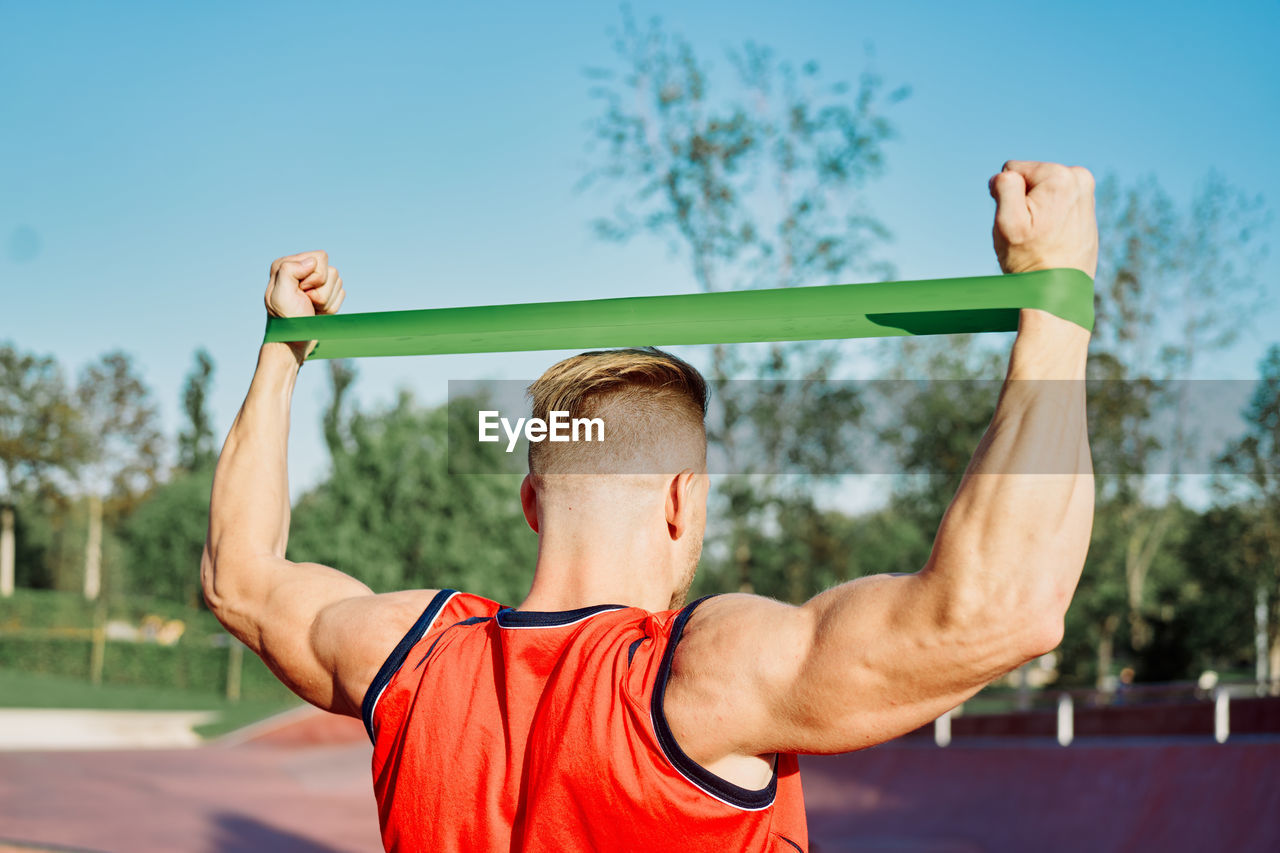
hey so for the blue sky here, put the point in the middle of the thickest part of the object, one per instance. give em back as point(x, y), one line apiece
point(154, 157)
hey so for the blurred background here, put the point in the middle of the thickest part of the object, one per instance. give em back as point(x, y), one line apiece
point(156, 158)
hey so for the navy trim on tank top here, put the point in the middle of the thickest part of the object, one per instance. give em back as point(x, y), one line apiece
point(721, 789)
point(396, 659)
point(511, 618)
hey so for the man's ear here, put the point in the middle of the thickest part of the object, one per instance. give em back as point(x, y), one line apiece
point(682, 493)
point(529, 501)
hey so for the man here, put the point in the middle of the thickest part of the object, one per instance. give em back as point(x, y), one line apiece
point(597, 715)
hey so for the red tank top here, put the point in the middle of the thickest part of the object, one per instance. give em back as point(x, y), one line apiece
point(498, 729)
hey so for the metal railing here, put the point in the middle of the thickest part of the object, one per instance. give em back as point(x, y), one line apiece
point(1065, 704)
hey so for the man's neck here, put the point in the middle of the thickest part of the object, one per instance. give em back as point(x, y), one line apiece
point(606, 567)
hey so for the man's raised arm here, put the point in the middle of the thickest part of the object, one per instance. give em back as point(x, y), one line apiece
point(318, 629)
point(879, 656)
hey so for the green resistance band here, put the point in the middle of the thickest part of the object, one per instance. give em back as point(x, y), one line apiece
point(988, 303)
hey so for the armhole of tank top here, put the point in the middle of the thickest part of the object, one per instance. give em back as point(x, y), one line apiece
point(396, 659)
point(702, 778)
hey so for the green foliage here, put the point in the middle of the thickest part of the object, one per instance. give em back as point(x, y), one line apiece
point(50, 535)
point(812, 549)
point(1174, 281)
point(34, 540)
point(121, 431)
point(1256, 455)
point(46, 609)
point(39, 425)
point(44, 631)
point(754, 178)
point(392, 514)
point(195, 441)
point(1254, 462)
point(939, 424)
point(1220, 570)
point(38, 608)
point(164, 537)
point(185, 666)
point(1173, 284)
point(753, 175)
point(53, 655)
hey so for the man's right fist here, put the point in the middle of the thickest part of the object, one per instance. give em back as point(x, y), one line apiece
point(1044, 217)
point(303, 285)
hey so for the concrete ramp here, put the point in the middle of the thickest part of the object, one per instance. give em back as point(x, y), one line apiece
point(42, 728)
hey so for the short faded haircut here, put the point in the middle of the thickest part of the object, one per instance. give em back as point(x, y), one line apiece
point(653, 404)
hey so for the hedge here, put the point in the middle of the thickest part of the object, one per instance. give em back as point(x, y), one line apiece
point(183, 665)
point(43, 608)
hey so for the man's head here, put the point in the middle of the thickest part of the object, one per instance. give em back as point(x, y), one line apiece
point(644, 486)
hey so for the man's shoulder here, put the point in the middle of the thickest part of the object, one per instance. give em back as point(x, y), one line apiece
point(721, 643)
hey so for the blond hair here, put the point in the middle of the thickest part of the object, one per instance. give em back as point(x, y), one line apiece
point(648, 400)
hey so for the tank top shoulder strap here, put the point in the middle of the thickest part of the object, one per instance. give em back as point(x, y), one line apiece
point(446, 608)
point(700, 777)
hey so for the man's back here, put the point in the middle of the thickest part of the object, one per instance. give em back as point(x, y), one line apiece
point(498, 729)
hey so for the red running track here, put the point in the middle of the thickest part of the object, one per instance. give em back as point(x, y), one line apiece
point(1137, 794)
point(292, 793)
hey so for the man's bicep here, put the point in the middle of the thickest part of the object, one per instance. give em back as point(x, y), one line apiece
point(324, 633)
point(353, 637)
point(881, 661)
point(858, 665)
point(279, 623)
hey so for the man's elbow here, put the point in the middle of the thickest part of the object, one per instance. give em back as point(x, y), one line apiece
point(208, 581)
point(218, 583)
point(1041, 635)
point(1030, 616)
point(1016, 628)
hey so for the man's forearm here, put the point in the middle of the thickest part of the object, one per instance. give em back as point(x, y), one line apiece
point(249, 509)
point(1014, 539)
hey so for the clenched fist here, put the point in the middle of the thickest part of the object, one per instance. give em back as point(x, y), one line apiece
point(1044, 217)
point(303, 285)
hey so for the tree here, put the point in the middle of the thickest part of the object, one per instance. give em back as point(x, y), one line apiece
point(940, 396)
point(755, 182)
point(40, 438)
point(393, 515)
point(122, 447)
point(1171, 289)
point(1162, 309)
point(39, 443)
point(813, 548)
point(164, 536)
point(1255, 460)
point(195, 442)
point(1224, 557)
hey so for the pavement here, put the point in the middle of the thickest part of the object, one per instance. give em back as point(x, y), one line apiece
point(316, 799)
point(301, 784)
point(1026, 794)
